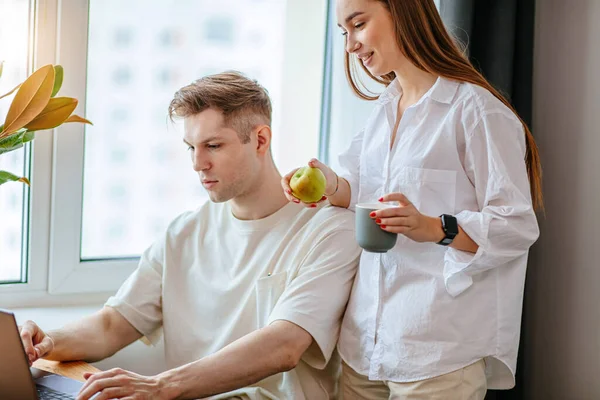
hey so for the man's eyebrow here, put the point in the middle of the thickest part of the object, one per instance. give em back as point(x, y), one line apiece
point(207, 140)
point(211, 139)
point(352, 16)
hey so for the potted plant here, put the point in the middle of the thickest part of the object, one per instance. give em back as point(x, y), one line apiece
point(35, 107)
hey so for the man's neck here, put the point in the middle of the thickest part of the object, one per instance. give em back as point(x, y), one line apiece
point(265, 199)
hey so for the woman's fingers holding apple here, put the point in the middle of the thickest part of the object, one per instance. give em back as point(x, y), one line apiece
point(318, 164)
point(315, 204)
point(285, 184)
point(330, 175)
point(308, 185)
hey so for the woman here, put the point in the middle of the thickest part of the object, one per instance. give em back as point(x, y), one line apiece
point(438, 316)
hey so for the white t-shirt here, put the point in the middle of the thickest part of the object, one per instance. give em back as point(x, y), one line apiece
point(212, 279)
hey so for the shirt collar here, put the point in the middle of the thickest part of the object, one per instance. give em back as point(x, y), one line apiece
point(391, 92)
point(443, 91)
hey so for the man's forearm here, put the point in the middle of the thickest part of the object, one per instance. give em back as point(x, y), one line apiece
point(258, 355)
point(81, 340)
point(92, 338)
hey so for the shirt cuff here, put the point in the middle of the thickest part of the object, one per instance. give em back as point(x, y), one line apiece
point(458, 263)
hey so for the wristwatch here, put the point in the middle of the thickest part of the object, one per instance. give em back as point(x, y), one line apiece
point(450, 228)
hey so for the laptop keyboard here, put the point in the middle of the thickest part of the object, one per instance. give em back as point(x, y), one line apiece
point(48, 394)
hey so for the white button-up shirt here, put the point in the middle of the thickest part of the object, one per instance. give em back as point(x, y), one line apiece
point(422, 310)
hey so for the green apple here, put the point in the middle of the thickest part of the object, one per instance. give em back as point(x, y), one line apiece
point(308, 184)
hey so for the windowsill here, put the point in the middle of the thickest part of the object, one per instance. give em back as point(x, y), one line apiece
point(136, 357)
point(41, 298)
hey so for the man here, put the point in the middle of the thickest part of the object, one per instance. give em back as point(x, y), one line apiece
point(248, 290)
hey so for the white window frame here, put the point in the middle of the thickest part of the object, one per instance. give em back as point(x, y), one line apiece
point(56, 275)
point(67, 273)
point(42, 53)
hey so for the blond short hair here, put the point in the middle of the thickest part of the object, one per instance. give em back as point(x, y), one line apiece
point(245, 103)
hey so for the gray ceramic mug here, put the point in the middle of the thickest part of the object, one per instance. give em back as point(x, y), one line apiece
point(368, 234)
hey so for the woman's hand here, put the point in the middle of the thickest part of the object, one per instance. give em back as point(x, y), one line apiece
point(330, 187)
point(407, 220)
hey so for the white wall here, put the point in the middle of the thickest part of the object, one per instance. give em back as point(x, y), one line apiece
point(562, 303)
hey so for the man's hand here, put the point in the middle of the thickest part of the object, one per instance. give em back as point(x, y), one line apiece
point(119, 384)
point(35, 341)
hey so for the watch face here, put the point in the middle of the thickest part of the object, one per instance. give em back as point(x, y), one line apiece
point(450, 224)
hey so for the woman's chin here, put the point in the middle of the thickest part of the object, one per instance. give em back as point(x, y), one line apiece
point(375, 71)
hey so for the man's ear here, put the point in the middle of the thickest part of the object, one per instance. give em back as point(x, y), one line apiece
point(263, 136)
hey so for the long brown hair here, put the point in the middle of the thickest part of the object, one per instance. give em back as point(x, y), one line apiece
point(424, 41)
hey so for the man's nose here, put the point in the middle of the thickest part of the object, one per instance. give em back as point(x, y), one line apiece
point(200, 163)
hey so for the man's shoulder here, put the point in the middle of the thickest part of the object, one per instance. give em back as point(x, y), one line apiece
point(332, 218)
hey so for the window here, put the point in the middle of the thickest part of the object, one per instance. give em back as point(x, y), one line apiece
point(122, 38)
point(14, 50)
point(120, 182)
point(121, 76)
point(339, 124)
point(100, 194)
point(170, 38)
point(220, 29)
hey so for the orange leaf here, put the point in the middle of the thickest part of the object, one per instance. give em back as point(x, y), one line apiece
point(30, 100)
point(77, 118)
point(55, 113)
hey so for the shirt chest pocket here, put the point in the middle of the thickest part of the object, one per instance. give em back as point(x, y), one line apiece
point(268, 291)
point(432, 191)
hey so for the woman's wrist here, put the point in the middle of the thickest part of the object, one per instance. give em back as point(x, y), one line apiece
point(337, 186)
point(437, 232)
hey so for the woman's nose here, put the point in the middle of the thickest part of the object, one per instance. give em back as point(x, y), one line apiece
point(351, 44)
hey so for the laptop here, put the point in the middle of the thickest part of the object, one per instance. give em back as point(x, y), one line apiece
point(17, 380)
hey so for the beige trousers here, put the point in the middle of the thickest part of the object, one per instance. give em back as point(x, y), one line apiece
point(467, 383)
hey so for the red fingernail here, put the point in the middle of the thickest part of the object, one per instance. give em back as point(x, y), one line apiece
point(313, 205)
point(324, 198)
point(288, 191)
point(378, 221)
point(382, 226)
point(297, 201)
point(381, 199)
point(372, 214)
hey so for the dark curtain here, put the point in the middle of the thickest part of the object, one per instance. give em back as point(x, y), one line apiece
point(499, 37)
